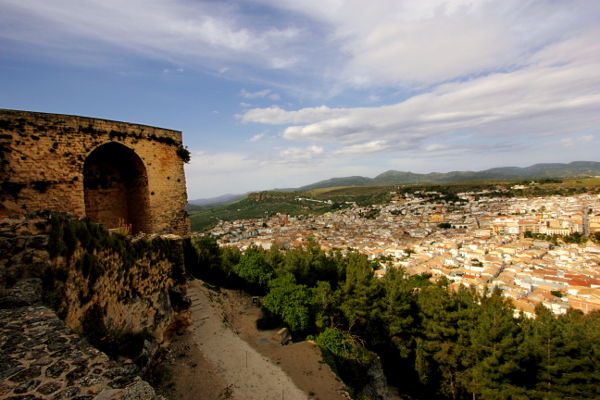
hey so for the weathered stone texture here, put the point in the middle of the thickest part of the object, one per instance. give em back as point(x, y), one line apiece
point(102, 169)
point(42, 358)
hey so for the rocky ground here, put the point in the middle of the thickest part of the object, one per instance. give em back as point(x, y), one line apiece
point(42, 358)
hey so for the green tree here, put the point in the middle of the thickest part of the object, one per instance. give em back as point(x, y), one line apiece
point(254, 269)
point(495, 340)
point(399, 310)
point(208, 255)
point(274, 257)
point(230, 257)
point(360, 294)
point(325, 305)
point(310, 264)
point(290, 301)
point(444, 353)
point(565, 351)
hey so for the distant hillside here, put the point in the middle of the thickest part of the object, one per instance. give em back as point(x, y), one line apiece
point(537, 171)
point(226, 198)
point(259, 205)
point(335, 182)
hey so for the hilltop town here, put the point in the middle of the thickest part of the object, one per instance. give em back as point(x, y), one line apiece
point(481, 239)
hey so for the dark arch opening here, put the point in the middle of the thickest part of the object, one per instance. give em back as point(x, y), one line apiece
point(115, 185)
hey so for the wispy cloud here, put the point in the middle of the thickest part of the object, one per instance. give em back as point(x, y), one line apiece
point(571, 142)
point(291, 156)
point(260, 94)
point(436, 147)
point(370, 147)
point(432, 41)
point(444, 80)
point(189, 32)
point(549, 97)
point(333, 43)
point(258, 136)
point(294, 155)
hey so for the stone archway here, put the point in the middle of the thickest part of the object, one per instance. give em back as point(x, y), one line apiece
point(115, 185)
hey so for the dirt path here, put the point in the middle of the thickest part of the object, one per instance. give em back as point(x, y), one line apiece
point(301, 361)
point(211, 362)
point(248, 375)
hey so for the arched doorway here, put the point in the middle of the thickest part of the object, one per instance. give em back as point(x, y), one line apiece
point(115, 185)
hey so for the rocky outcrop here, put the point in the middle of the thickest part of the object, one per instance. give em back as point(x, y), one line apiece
point(257, 196)
point(42, 358)
point(376, 388)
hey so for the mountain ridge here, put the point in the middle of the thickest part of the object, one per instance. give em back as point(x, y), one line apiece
point(393, 177)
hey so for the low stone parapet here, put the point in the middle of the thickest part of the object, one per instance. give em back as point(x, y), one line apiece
point(42, 358)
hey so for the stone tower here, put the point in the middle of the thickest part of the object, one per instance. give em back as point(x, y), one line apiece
point(105, 170)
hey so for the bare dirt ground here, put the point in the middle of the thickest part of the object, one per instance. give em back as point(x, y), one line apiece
point(223, 356)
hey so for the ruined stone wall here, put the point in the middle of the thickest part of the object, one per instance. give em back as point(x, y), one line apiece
point(106, 170)
point(62, 278)
point(92, 277)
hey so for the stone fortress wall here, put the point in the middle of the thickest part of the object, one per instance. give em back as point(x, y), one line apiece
point(105, 170)
point(62, 274)
point(100, 285)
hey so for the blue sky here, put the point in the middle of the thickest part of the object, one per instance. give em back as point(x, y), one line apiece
point(276, 94)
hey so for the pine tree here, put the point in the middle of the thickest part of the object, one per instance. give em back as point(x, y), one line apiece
point(495, 340)
point(445, 353)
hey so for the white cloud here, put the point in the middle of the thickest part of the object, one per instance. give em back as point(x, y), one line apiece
point(371, 147)
point(333, 43)
point(436, 147)
point(291, 156)
point(294, 155)
point(571, 142)
point(189, 32)
point(282, 63)
point(214, 173)
point(556, 95)
point(259, 94)
point(277, 116)
point(258, 136)
point(430, 41)
point(212, 163)
point(209, 174)
point(246, 105)
point(254, 95)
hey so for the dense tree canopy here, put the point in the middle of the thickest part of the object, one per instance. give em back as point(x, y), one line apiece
point(434, 343)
